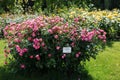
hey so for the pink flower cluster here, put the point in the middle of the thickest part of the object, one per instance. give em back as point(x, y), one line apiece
point(78, 54)
point(63, 56)
point(37, 57)
point(21, 51)
point(101, 35)
point(55, 20)
point(74, 34)
point(87, 36)
point(17, 40)
point(55, 29)
point(37, 43)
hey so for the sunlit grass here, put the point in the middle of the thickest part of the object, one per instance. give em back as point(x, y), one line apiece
point(2, 45)
point(107, 64)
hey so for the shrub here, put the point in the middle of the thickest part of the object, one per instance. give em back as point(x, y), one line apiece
point(38, 44)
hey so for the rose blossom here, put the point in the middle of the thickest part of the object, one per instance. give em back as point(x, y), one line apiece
point(29, 38)
point(37, 57)
point(43, 44)
point(49, 55)
point(77, 55)
point(17, 40)
point(58, 47)
point(22, 66)
point(56, 36)
point(31, 57)
point(50, 31)
point(40, 39)
point(63, 56)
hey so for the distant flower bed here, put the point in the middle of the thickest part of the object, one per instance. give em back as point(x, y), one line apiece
point(51, 42)
point(107, 20)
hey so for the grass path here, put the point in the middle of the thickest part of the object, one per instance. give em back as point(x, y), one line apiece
point(105, 67)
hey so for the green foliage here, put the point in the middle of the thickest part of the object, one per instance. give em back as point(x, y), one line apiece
point(2, 25)
point(6, 5)
point(20, 6)
point(112, 27)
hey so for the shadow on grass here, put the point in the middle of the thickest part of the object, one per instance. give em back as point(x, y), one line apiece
point(49, 75)
point(109, 43)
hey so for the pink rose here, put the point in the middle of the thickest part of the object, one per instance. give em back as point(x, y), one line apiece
point(22, 66)
point(21, 53)
point(60, 32)
point(63, 56)
point(18, 48)
point(76, 20)
point(31, 57)
point(24, 50)
point(49, 55)
point(104, 41)
point(73, 44)
point(37, 57)
point(43, 44)
point(40, 39)
point(50, 31)
point(17, 40)
point(77, 55)
point(56, 36)
point(33, 34)
point(29, 39)
point(36, 46)
point(58, 47)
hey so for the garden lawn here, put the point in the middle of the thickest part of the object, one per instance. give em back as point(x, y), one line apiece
point(105, 67)
point(107, 64)
point(2, 45)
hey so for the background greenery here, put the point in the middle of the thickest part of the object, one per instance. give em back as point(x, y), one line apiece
point(23, 6)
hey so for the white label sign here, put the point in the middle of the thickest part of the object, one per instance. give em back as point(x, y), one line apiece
point(67, 49)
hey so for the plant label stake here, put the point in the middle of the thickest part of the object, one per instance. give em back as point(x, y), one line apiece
point(67, 49)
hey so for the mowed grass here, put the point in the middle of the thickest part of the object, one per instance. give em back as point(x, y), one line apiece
point(106, 66)
point(2, 58)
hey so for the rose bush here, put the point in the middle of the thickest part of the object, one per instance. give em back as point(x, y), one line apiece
point(38, 44)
